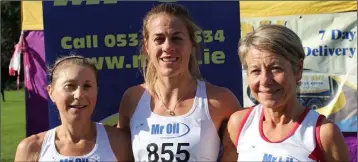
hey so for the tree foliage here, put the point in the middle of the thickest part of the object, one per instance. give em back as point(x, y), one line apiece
point(10, 33)
point(10, 29)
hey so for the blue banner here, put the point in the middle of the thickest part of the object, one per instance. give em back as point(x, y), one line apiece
point(108, 33)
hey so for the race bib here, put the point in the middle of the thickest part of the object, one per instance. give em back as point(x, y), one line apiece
point(167, 140)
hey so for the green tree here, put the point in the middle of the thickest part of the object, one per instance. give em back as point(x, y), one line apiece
point(10, 33)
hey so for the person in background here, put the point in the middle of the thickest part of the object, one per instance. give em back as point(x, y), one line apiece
point(73, 88)
point(2, 89)
point(278, 128)
point(174, 115)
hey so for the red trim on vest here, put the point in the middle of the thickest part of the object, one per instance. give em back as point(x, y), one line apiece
point(300, 119)
point(242, 123)
point(317, 153)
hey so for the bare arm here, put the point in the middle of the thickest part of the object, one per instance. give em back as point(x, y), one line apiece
point(231, 134)
point(128, 104)
point(120, 141)
point(29, 148)
point(222, 104)
point(332, 140)
point(123, 119)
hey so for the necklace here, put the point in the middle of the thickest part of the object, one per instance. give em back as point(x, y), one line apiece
point(169, 111)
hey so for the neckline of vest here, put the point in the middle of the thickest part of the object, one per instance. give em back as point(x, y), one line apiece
point(199, 92)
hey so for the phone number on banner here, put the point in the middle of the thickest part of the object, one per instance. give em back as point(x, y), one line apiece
point(131, 39)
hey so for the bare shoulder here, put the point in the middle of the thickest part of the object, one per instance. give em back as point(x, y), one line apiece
point(222, 98)
point(30, 147)
point(32, 143)
point(128, 104)
point(334, 150)
point(328, 131)
point(133, 94)
point(135, 89)
point(329, 128)
point(231, 134)
point(235, 121)
point(120, 141)
point(238, 116)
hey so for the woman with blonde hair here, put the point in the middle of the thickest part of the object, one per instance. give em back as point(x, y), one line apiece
point(73, 88)
point(174, 115)
point(278, 128)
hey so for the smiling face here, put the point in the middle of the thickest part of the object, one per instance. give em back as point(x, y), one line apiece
point(271, 78)
point(74, 92)
point(168, 45)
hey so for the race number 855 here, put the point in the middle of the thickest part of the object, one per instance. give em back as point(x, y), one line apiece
point(153, 155)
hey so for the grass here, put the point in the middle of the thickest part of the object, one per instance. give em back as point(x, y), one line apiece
point(12, 123)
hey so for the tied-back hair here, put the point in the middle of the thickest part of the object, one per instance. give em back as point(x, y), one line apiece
point(72, 59)
point(173, 9)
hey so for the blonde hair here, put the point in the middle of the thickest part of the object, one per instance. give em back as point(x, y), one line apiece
point(276, 39)
point(148, 70)
point(65, 60)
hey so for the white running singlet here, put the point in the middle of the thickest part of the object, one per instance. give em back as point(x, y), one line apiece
point(301, 144)
point(189, 137)
point(102, 151)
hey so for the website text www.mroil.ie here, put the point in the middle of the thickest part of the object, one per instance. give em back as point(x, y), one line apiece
point(122, 40)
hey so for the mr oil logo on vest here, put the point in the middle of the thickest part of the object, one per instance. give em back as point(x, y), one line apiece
point(79, 160)
point(170, 130)
point(272, 158)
